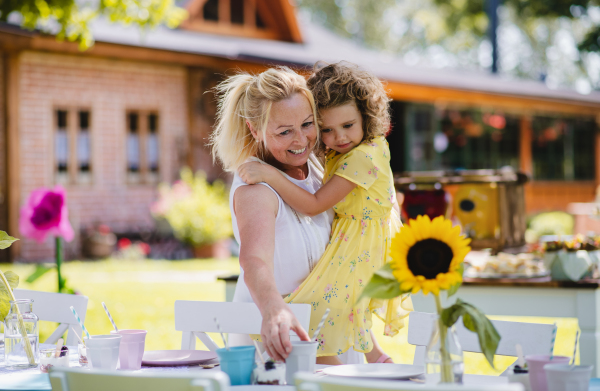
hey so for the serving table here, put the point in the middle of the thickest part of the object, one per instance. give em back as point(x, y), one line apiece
point(535, 297)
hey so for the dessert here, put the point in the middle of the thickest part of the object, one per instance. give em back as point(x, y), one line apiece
point(270, 373)
point(49, 359)
point(81, 349)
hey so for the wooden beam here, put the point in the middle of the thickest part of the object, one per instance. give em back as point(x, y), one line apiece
point(13, 166)
point(224, 13)
point(230, 29)
point(290, 20)
point(514, 104)
point(525, 139)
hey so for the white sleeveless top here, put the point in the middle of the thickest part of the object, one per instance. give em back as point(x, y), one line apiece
point(299, 240)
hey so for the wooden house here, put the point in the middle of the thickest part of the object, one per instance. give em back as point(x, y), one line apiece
point(112, 122)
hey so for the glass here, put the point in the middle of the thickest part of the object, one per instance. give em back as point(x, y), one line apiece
point(48, 359)
point(82, 352)
point(18, 354)
point(444, 356)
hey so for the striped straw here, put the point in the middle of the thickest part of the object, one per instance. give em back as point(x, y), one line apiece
point(80, 322)
point(220, 332)
point(320, 326)
point(110, 317)
point(552, 342)
point(575, 348)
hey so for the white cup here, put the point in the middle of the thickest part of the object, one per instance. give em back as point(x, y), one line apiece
point(563, 377)
point(103, 351)
point(302, 358)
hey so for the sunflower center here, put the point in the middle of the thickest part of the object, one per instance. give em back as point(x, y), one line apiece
point(429, 257)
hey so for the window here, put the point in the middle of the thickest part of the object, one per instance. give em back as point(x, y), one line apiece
point(563, 148)
point(142, 147)
point(72, 146)
point(210, 11)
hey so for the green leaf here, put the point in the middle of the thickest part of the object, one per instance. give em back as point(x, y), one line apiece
point(39, 271)
point(5, 297)
point(6, 240)
point(454, 288)
point(476, 321)
point(383, 285)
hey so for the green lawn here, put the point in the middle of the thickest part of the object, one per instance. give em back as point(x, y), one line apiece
point(141, 295)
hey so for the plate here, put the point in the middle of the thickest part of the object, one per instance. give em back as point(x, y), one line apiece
point(379, 371)
point(171, 358)
point(499, 275)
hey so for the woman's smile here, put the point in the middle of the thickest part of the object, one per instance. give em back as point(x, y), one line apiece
point(298, 152)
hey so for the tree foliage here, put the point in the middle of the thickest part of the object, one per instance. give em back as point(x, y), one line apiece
point(70, 19)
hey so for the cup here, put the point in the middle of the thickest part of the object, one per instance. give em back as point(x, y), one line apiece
point(103, 351)
point(535, 364)
point(48, 359)
point(302, 358)
point(82, 353)
point(237, 363)
point(132, 347)
point(563, 377)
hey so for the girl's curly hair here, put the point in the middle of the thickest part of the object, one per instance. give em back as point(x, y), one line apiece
point(336, 84)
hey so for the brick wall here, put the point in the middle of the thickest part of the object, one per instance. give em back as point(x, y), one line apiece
point(108, 88)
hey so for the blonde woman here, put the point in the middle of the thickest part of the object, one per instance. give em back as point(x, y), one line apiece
point(272, 117)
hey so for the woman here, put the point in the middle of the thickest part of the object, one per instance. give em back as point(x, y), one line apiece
point(271, 116)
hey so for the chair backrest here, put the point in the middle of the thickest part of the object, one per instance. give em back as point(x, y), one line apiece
point(196, 318)
point(55, 307)
point(534, 338)
point(74, 379)
point(310, 382)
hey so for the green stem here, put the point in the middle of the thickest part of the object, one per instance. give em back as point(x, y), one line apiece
point(446, 364)
point(59, 259)
point(21, 324)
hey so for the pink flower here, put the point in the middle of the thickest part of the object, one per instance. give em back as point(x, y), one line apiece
point(327, 288)
point(351, 317)
point(123, 243)
point(45, 213)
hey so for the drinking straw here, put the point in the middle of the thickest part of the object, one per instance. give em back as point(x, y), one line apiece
point(520, 355)
point(552, 342)
point(220, 332)
point(575, 348)
point(78, 337)
point(80, 322)
point(59, 345)
point(110, 317)
point(258, 351)
point(321, 323)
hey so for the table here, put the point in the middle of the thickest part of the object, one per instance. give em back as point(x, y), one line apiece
point(539, 297)
point(33, 380)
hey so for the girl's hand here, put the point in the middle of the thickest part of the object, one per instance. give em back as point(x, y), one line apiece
point(275, 331)
point(255, 172)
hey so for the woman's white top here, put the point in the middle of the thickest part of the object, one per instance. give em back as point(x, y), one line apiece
point(299, 240)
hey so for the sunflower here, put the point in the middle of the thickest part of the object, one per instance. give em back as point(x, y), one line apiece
point(428, 254)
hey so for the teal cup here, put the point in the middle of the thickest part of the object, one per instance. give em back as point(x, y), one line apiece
point(237, 363)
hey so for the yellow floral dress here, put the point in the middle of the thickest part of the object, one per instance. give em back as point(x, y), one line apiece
point(361, 232)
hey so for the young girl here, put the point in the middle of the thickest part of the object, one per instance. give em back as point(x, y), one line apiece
point(353, 109)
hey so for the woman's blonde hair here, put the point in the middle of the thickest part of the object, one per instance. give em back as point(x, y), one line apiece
point(248, 98)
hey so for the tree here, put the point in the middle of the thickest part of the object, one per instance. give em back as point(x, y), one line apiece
point(70, 19)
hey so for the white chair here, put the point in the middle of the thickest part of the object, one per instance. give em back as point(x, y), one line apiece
point(196, 318)
point(310, 382)
point(534, 338)
point(55, 307)
point(74, 379)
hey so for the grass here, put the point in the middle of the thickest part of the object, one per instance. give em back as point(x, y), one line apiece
point(141, 295)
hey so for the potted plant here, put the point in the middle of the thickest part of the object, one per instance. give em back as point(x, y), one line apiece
point(198, 212)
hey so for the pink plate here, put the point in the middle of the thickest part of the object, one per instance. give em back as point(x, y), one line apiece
point(171, 358)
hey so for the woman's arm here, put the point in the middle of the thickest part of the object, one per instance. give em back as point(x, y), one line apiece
point(303, 201)
point(256, 210)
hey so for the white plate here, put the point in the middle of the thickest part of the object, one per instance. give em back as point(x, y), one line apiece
point(379, 371)
point(173, 358)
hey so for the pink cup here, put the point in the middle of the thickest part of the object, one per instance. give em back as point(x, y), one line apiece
point(537, 375)
point(132, 347)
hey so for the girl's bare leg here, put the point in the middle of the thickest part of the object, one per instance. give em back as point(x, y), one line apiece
point(376, 353)
point(329, 360)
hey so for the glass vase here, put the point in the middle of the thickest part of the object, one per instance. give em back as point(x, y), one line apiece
point(21, 335)
point(444, 356)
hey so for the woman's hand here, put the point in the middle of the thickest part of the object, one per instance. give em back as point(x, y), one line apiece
point(255, 172)
point(277, 322)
